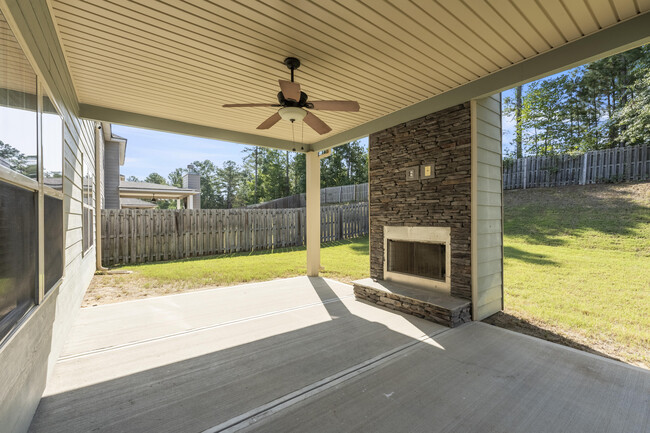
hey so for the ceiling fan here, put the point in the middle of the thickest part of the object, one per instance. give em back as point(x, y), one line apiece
point(293, 103)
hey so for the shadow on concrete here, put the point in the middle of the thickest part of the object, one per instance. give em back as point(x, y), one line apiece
point(513, 323)
point(203, 391)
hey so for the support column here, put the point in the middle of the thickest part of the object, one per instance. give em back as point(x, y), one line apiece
point(313, 214)
point(178, 203)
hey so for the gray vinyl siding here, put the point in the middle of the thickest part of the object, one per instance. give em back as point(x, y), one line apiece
point(29, 354)
point(112, 175)
point(488, 210)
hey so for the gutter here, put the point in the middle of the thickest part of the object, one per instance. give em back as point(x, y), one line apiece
point(98, 198)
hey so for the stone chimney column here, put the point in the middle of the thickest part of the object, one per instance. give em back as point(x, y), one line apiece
point(192, 180)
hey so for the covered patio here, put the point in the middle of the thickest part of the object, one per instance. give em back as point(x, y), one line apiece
point(302, 354)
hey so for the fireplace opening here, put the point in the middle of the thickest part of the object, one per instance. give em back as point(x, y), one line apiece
point(421, 259)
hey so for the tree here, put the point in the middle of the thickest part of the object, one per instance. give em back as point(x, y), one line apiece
point(585, 109)
point(229, 179)
point(518, 140)
point(176, 177)
point(155, 178)
point(251, 168)
point(210, 194)
point(132, 179)
point(633, 119)
point(13, 157)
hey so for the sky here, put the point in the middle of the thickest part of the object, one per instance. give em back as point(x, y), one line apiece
point(18, 129)
point(150, 151)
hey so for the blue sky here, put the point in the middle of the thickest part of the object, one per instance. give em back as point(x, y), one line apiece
point(150, 151)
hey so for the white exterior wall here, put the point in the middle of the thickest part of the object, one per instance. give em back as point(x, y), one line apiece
point(487, 209)
point(29, 353)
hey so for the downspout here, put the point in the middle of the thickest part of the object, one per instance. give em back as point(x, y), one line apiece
point(98, 198)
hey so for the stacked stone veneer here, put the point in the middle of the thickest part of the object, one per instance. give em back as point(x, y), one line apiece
point(443, 138)
point(445, 316)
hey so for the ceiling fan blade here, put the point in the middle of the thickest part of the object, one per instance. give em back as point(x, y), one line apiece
point(290, 90)
point(336, 105)
point(316, 124)
point(270, 121)
point(249, 105)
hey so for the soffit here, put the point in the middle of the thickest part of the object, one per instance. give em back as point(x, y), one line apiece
point(181, 60)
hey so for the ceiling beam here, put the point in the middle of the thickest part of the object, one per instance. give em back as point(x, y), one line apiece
point(620, 37)
point(103, 114)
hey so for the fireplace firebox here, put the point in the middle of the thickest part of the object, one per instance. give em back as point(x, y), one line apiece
point(421, 259)
point(418, 256)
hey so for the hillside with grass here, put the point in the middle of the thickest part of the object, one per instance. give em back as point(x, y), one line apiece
point(577, 267)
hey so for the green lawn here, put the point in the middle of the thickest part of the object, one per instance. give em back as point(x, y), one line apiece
point(344, 260)
point(577, 260)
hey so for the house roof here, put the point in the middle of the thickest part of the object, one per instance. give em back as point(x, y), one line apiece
point(136, 203)
point(172, 66)
point(153, 191)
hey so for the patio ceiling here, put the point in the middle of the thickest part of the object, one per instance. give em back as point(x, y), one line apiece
point(172, 65)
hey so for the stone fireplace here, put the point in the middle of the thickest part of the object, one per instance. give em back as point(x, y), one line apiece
point(426, 209)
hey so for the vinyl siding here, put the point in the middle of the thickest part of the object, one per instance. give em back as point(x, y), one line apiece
point(487, 227)
point(29, 354)
point(112, 175)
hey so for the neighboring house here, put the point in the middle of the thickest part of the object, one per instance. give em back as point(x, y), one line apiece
point(117, 190)
point(136, 203)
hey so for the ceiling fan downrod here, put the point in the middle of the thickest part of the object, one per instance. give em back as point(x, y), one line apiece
point(292, 63)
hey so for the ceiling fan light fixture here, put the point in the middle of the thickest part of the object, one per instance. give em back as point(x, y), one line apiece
point(292, 113)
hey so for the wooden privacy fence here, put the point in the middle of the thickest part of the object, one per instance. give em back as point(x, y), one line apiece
point(631, 163)
point(143, 235)
point(329, 195)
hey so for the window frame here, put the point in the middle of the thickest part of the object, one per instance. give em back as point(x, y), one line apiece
point(44, 292)
point(40, 191)
point(85, 206)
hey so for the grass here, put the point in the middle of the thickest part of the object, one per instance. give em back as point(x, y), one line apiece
point(577, 261)
point(344, 260)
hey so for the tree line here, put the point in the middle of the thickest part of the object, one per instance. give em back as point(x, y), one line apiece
point(596, 106)
point(265, 174)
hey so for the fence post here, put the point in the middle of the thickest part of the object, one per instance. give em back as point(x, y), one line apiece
point(525, 162)
point(583, 174)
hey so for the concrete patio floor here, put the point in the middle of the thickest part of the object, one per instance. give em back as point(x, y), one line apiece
point(303, 355)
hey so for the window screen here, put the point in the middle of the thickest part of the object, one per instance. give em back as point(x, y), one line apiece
point(53, 240)
point(18, 253)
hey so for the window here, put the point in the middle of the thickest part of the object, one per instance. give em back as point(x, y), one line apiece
point(52, 145)
point(88, 213)
point(31, 212)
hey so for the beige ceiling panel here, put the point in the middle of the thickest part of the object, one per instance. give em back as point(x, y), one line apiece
point(458, 32)
point(483, 30)
point(520, 23)
point(581, 15)
point(563, 22)
point(624, 8)
point(537, 19)
point(182, 60)
point(603, 11)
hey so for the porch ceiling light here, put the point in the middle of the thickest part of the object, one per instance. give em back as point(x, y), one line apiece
point(292, 113)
